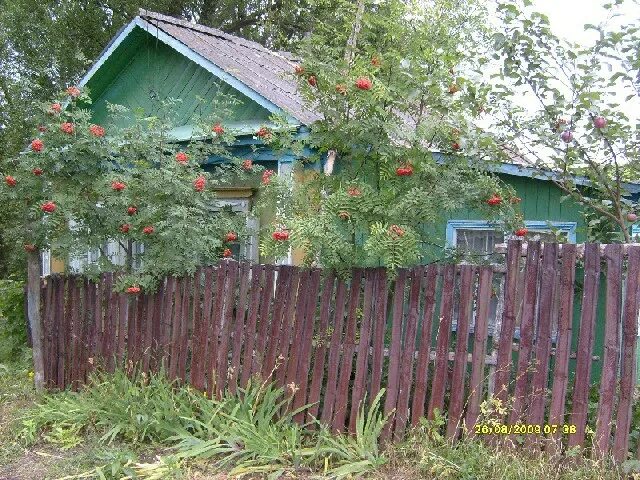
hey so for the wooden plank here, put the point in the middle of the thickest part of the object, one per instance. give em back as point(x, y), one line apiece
point(408, 350)
point(108, 350)
point(184, 329)
point(424, 349)
point(359, 382)
point(166, 319)
point(175, 329)
point(51, 341)
point(379, 328)
point(121, 343)
point(321, 348)
point(76, 332)
point(436, 402)
point(479, 347)
point(348, 348)
point(454, 418)
point(86, 316)
point(393, 381)
point(213, 329)
point(250, 331)
point(62, 332)
point(239, 327)
point(140, 322)
point(563, 344)
point(298, 328)
point(222, 366)
point(282, 292)
point(285, 340)
point(540, 380)
point(585, 343)
point(201, 334)
point(527, 326)
point(263, 319)
point(629, 346)
point(304, 359)
point(508, 324)
point(608, 380)
point(147, 340)
point(196, 377)
point(47, 330)
point(333, 360)
point(156, 329)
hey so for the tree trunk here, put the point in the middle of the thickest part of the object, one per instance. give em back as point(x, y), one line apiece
point(33, 311)
point(355, 32)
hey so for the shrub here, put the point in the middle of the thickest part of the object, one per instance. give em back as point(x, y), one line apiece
point(13, 331)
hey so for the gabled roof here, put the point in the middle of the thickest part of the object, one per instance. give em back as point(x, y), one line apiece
point(263, 75)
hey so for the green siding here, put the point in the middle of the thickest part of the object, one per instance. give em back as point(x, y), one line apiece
point(142, 72)
point(541, 200)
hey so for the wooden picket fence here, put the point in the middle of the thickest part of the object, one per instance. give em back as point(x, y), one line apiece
point(426, 335)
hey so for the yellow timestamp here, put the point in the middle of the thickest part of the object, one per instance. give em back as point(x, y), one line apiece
point(523, 429)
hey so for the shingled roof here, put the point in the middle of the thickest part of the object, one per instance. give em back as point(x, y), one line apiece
point(268, 73)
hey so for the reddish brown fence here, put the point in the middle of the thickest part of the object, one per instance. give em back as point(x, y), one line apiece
point(437, 338)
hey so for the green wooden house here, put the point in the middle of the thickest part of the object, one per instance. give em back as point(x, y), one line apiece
point(155, 58)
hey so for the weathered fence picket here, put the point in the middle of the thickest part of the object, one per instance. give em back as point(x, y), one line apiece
point(333, 343)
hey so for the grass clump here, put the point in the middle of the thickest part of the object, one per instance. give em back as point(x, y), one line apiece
point(251, 433)
point(428, 455)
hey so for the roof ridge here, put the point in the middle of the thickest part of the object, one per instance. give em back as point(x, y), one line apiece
point(209, 30)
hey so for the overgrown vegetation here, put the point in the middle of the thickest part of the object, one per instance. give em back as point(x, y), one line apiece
point(145, 427)
point(13, 332)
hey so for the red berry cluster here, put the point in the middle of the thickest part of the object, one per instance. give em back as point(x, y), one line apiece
point(48, 207)
point(247, 165)
point(9, 180)
point(280, 235)
point(218, 129)
point(148, 230)
point(73, 91)
point(494, 199)
point(266, 176)
point(181, 157)
point(263, 132)
point(231, 237)
point(363, 83)
point(30, 247)
point(124, 228)
point(118, 186)
point(344, 215)
point(96, 130)
point(404, 171)
point(227, 253)
point(134, 289)
point(354, 192)
point(396, 231)
point(132, 210)
point(37, 172)
point(375, 61)
point(341, 88)
point(37, 145)
point(199, 183)
point(299, 69)
point(312, 80)
point(521, 232)
point(67, 127)
point(56, 108)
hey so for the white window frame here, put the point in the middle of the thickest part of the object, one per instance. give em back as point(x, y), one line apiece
point(535, 225)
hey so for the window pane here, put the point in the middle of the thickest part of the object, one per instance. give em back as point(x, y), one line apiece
point(478, 241)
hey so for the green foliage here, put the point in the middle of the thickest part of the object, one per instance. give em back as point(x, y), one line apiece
point(13, 328)
point(426, 455)
point(94, 176)
point(250, 433)
point(574, 96)
point(401, 123)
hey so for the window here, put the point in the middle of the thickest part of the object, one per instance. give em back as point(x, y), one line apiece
point(481, 237)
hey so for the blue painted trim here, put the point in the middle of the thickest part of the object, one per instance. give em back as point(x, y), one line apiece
point(453, 225)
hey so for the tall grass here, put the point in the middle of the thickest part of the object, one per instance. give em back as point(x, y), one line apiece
point(251, 433)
